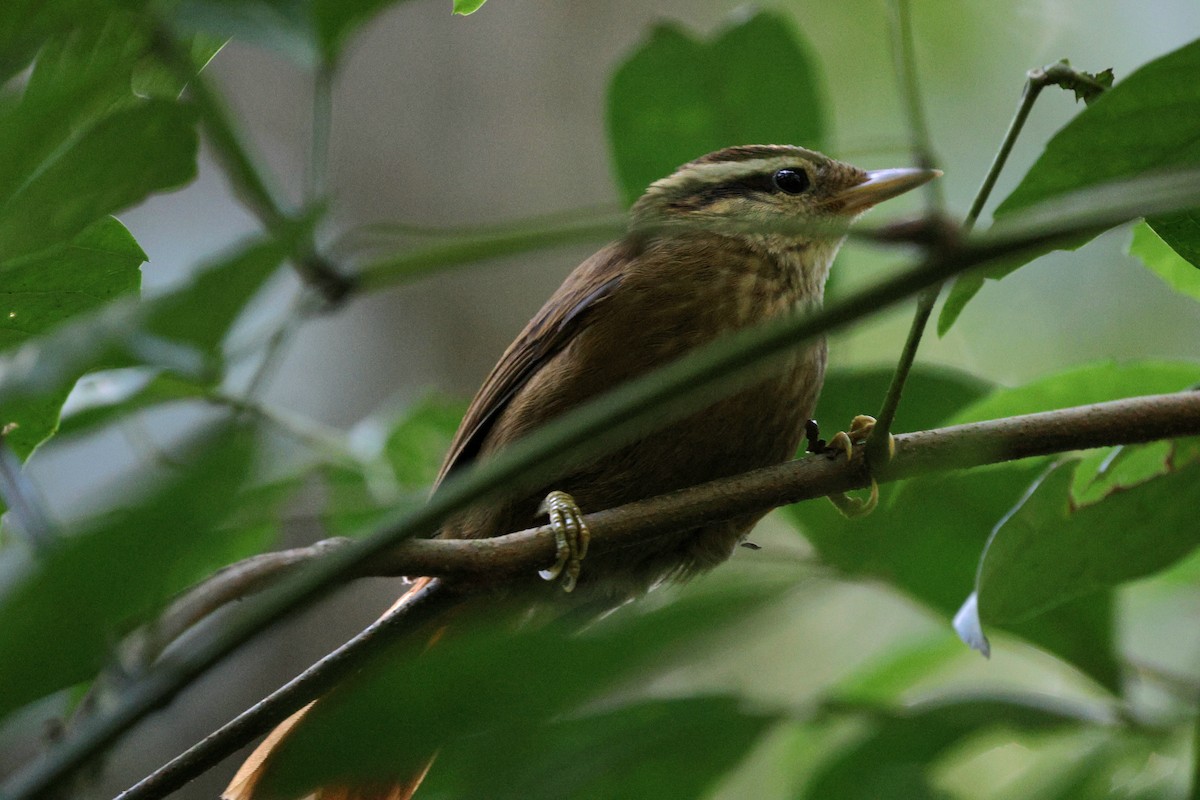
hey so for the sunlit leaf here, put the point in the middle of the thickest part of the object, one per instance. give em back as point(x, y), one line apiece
point(1110, 140)
point(467, 6)
point(62, 613)
point(676, 97)
point(1157, 255)
point(488, 683)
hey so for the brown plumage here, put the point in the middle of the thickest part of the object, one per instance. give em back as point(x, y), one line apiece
point(709, 252)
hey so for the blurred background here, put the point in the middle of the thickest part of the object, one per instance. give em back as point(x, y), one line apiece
point(448, 121)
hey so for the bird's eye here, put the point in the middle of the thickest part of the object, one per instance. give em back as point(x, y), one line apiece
point(792, 181)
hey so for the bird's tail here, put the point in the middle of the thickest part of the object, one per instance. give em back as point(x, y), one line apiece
point(245, 783)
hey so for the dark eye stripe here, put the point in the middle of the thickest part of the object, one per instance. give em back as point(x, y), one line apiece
point(763, 183)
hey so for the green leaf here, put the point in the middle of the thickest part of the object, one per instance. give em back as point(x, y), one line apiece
point(1090, 383)
point(1110, 140)
point(1176, 271)
point(676, 98)
point(1050, 551)
point(100, 398)
point(178, 331)
point(152, 78)
point(61, 614)
point(928, 533)
point(932, 395)
point(362, 494)
point(44, 290)
point(466, 7)
point(487, 682)
point(112, 165)
point(656, 748)
point(419, 440)
point(896, 758)
point(309, 31)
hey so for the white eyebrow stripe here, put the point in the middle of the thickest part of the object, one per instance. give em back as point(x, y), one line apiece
point(717, 173)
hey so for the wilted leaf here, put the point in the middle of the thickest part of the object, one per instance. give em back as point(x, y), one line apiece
point(676, 98)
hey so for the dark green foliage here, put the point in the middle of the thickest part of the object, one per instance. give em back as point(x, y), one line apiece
point(677, 98)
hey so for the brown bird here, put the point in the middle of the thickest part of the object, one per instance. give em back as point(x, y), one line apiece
point(728, 241)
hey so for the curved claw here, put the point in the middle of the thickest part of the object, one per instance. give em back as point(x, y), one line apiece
point(852, 507)
point(571, 537)
point(861, 428)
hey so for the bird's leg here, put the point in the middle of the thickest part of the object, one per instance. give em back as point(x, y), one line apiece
point(843, 442)
point(571, 538)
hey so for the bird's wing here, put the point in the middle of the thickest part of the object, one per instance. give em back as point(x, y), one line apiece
point(560, 319)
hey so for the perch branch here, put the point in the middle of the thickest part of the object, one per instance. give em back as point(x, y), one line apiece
point(1131, 421)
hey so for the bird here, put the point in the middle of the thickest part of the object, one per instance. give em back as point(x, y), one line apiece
point(729, 240)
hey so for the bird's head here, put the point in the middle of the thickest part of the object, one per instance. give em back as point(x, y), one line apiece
point(780, 192)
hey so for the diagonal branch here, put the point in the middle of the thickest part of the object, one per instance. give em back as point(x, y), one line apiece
point(1131, 421)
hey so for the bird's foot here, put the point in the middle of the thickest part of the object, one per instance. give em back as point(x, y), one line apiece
point(571, 538)
point(843, 442)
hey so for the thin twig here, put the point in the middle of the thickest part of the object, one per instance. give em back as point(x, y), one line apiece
point(248, 181)
point(317, 183)
point(502, 558)
point(904, 56)
point(1059, 74)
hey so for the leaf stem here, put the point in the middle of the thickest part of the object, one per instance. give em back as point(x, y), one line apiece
point(248, 181)
point(904, 55)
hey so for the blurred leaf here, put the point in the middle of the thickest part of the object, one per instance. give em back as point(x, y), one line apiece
point(897, 669)
point(80, 144)
point(465, 7)
point(44, 290)
point(1110, 140)
point(656, 748)
point(677, 98)
point(1090, 383)
point(152, 78)
point(418, 442)
point(895, 759)
point(1157, 255)
point(178, 331)
point(309, 31)
point(487, 686)
point(112, 165)
point(1049, 552)
point(414, 445)
point(102, 397)
point(61, 614)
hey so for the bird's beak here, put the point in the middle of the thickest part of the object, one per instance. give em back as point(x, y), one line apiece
point(880, 185)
